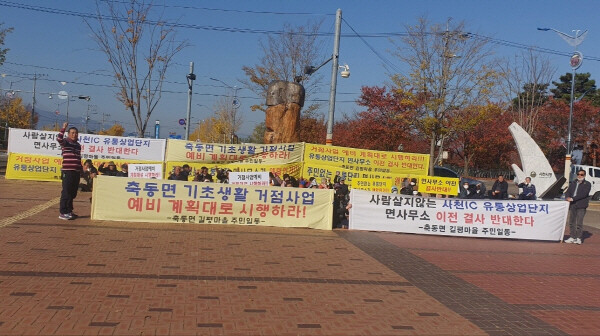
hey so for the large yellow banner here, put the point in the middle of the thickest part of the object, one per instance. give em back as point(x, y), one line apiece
point(162, 201)
point(293, 169)
point(360, 172)
point(366, 161)
point(33, 167)
point(47, 168)
point(438, 185)
point(190, 151)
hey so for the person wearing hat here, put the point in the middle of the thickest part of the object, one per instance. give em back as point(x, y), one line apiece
point(344, 187)
point(111, 170)
point(394, 190)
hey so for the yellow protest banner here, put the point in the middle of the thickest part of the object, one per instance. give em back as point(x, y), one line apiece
point(292, 169)
point(163, 201)
point(384, 185)
point(190, 151)
point(366, 161)
point(325, 171)
point(47, 168)
point(438, 185)
point(33, 167)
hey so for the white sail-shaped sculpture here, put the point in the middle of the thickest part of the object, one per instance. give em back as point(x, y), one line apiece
point(535, 164)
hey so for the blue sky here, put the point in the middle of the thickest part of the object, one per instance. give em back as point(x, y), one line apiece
point(48, 43)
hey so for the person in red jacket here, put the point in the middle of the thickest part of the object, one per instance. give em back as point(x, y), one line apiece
point(71, 170)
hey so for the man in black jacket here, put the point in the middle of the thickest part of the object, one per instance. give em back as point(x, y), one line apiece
point(578, 195)
point(500, 189)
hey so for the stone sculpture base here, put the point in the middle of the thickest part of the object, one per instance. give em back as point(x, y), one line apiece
point(282, 123)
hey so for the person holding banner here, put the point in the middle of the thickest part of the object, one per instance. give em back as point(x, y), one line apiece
point(71, 170)
point(89, 173)
point(578, 196)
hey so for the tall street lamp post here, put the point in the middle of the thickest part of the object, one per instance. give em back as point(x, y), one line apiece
point(575, 62)
point(308, 70)
point(191, 77)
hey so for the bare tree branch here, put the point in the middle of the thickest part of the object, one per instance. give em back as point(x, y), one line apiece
point(284, 58)
point(139, 50)
point(526, 81)
point(449, 70)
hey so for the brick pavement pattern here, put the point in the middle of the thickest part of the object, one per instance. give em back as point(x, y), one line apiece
point(96, 277)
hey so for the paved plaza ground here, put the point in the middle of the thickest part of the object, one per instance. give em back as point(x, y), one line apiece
point(86, 277)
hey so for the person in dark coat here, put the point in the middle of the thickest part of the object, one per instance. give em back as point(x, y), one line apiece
point(466, 190)
point(124, 170)
point(500, 189)
point(89, 173)
point(478, 191)
point(186, 170)
point(407, 186)
point(578, 195)
point(111, 170)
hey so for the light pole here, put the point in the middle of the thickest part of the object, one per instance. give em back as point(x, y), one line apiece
point(334, 69)
point(69, 98)
point(104, 115)
point(575, 62)
point(235, 104)
point(87, 116)
point(191, 77)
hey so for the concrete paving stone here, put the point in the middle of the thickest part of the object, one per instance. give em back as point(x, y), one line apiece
point(251, 280)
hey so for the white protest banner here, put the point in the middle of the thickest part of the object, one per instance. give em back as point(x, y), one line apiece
point(249, 178)
point(539, 220)
point(93, 146)
point(137, 170)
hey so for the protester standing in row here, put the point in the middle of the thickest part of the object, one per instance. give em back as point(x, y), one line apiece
point(71, 170)
point(578, 196)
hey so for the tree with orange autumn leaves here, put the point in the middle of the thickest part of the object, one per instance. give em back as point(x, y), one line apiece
point(387, 123)
point(480, 138)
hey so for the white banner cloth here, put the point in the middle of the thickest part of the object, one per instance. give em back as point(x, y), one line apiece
point(138, 170)
point(93, 146)
point(249, 178)
point(539, 220)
